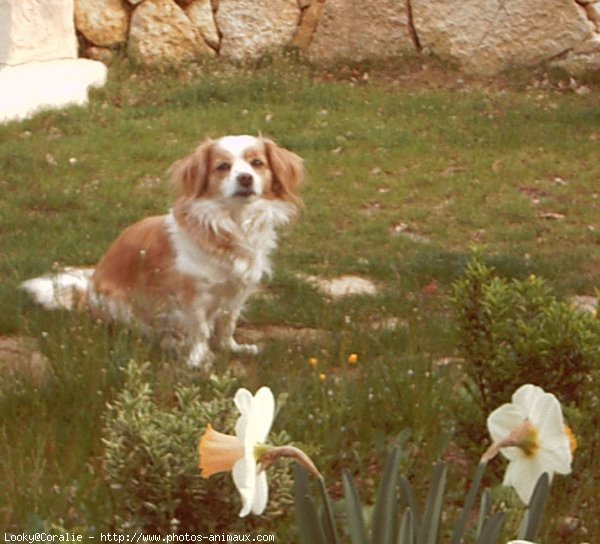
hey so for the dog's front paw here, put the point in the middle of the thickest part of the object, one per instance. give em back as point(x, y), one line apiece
point(200, 357)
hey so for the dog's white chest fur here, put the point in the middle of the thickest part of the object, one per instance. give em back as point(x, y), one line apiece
point(253, 224)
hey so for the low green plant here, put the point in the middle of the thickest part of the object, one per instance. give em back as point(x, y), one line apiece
point(397, 518)
point(151, 459)
point(515, 331)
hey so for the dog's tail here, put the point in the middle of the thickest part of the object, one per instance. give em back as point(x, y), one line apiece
point(65, 289)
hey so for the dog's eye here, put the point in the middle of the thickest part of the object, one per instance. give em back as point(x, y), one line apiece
point(257, 163)
point(224, 167)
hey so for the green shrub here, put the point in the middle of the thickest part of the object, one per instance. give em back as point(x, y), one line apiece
point(518, 331)
point(151, 460)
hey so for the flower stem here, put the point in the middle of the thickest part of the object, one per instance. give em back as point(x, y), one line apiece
point(268, 456)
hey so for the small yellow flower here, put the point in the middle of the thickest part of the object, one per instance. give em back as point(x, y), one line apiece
point(352, 359)
point(532, 278)
point(322, 377)
point(313, 361)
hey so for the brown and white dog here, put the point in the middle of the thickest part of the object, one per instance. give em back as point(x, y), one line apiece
point(191, 271)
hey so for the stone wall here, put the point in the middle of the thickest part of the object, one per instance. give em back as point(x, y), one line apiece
point(481, 37)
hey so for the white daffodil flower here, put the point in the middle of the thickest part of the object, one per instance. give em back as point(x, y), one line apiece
point(531, 434)
point(246, 455)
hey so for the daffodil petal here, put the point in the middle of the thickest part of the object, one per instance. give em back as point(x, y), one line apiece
point(557, 459)
point(512, 453)
point(260, 418)
point(240, 427)
point(546, 416)
point(243, 401)
point(261, 494)
point(522, 474)
point(244, 478)
point(541, 408)
point(526, 396)
point(502, 421)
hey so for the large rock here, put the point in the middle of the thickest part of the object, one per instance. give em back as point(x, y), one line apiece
point(102, 22)
point(250, 28)
point(34, 86)
point(200, 14)
point(160, 32)
point(20, 358)
point(582, 58)
point(361, 30)
point(311, 14)
point(485, 37)
point(593, 13)
point(36, 30)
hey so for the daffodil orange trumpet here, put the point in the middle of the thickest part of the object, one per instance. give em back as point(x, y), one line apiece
point(218, 452)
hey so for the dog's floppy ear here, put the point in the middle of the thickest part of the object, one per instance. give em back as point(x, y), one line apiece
point(288, 172)
point(190, 174)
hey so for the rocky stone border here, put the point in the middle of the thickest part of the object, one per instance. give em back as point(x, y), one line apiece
point(20, 357)
point(481, 37)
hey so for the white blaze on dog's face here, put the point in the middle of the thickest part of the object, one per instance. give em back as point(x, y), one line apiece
point(239, 167)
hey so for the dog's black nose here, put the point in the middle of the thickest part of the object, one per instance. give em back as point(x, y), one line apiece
point(245, 180)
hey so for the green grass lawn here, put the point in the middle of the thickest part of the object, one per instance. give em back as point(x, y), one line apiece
point(406, 175)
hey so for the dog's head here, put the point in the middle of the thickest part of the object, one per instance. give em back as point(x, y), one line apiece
point(241, 169)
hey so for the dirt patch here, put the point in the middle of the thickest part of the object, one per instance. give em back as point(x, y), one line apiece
point(585, 303)
point(20, 357)
point(256, 334)
point(426, 72)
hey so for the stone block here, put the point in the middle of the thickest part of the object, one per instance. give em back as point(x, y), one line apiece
point(36, 30)
point(28, 88)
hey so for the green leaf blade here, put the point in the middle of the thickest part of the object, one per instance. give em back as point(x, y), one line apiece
point(433, 507)
point(386, 506)
point(459, 529)
point(310, 530)
point(356, 523)
point(406, 535)
point(535, 511)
